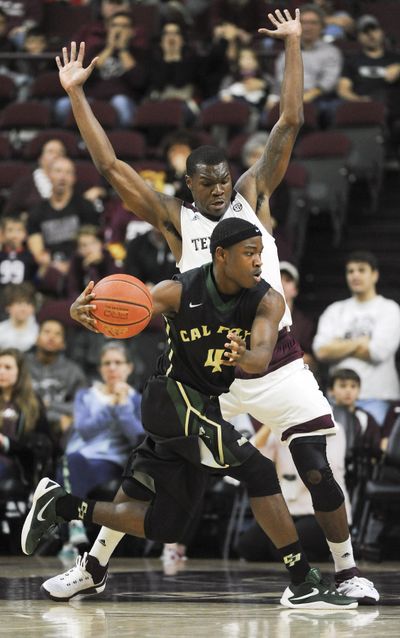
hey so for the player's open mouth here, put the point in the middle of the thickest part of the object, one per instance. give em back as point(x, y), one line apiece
point(218, 203)
point(257, 276)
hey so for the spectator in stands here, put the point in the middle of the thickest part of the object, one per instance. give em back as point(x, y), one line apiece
point(253, 545)
point(245, 15)
point(20, 331)
point(363, 333)
point(174, 69)
point(94, 33)
point(339, 24)
point(302, 327)
point(54, 223)
point(55, 377)
point(363, 434)
point(119, 76)
point(322, 66)
point(22, 419)
point(374, 72)
point(106, 426)
point(247, 83)
point(22, 15)
point(29, 191)
point(28, 68)
point(177, 148)
point(17, 263)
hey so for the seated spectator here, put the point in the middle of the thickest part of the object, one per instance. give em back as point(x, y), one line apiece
point(22, 15)
point(253, 545)
point(55, 377)
point(374, 72)
point(28, 68)
point(247, 82)
point(363, 333)
point(177, 148)
point(363, 434)
point(93, 33)
point(24, 430)
point(119, 75)
point(54, 223)
point(29, 191)
point(302, 327)
point(106, 427)
point(16, 260)
point(20, 331)
point(322, 66)
point(339, 24)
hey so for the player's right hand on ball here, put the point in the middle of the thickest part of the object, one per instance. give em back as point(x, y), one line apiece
point(82, 307)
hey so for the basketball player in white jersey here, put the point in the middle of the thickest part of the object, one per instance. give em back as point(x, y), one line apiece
point(287, 396)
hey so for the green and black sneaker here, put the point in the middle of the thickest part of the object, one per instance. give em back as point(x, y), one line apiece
point(42, 515)
point(314, 593)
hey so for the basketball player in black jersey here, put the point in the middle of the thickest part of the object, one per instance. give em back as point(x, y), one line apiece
point(304, 423)
point(218, 316)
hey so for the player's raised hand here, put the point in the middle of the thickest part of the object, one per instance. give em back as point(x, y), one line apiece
point(82, 307)
point(72, 73)
point(284, 24)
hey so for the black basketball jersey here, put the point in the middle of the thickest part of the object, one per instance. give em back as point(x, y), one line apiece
point(197, 334)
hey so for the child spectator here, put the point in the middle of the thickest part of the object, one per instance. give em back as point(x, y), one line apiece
point(363, 434)
point(20, 331)
point(16, 260)
point(247, 83)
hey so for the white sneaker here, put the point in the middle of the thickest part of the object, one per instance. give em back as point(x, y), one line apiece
point(360, 588)
point(85, 578)
point(173, 560)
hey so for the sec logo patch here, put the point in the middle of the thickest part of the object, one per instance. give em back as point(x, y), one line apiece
point(237, 207)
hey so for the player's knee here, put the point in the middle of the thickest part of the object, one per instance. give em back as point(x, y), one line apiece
point(315, 472)
point(258, 473)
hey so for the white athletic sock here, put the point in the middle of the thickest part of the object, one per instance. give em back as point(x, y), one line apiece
point(105, 544)
point(342, 554)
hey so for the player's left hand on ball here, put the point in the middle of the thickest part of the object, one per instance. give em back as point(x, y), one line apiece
point(82, 307)
point(235, 349)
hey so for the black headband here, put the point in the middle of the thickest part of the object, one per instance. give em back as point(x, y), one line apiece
point(235, 238)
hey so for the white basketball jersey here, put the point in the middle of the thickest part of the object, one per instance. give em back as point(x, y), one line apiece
point(196, 232)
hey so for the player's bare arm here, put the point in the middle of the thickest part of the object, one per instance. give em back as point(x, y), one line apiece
point(162, 211)
point(259, 182)
point(166, 297)
point(264, 334)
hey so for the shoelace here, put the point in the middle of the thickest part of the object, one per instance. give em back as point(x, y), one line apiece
point(80, 563)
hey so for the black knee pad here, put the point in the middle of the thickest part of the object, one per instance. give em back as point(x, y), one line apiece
point(309, 456)
point(258, 473)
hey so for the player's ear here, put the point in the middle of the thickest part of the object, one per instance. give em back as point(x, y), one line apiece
point(188, 181)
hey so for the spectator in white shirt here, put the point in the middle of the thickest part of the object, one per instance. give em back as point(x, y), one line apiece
point(21, 329)
point(363, 333)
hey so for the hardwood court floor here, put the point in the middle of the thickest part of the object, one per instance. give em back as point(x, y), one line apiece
point(209, 599)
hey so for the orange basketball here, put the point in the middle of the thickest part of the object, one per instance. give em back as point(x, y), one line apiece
point(123, 306)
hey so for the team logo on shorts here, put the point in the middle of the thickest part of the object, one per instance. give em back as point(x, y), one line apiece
point(237, 207)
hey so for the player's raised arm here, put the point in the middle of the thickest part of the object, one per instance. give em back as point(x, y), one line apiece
point(138, 196)
point(260, 181)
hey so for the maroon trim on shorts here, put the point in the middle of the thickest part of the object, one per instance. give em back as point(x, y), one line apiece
point(324, 422)
point(286, 350)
